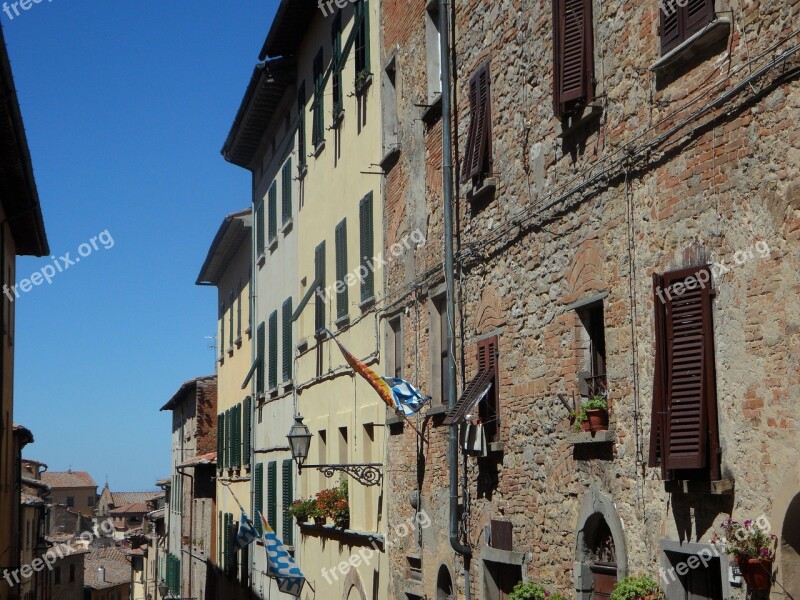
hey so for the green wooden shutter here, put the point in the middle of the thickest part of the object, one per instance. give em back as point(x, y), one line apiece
point(338, 63)
point(301, 126)
point(228, 443)
point(273, 350)
point(319, 298)
point(286, 189)
point(230, 320)
point(221, 341)
point(239, 312)
point(272, 494)
point(341, 269)
point(260, 228)
point(362, 38)
point(288, 497)
point(287, 339)
point(246, 434)
point(273, 212)
point(260, 348)
point(220, 541)
point(258, 488)
point(220, 440)
point(237, 436)
point(367, 243)
point(318, 117)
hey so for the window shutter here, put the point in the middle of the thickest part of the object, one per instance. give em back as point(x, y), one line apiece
point(273, 212)
point(230, 320)
point(573, 52)
point(221, 341)
point(237, 432)
point(670, 27)
point(220, 440)
point(473, 118)
point(273, 350)
point(336, 59)
point(258, 492)
point(288, 497)
point(260, 228)
point(272, 495)
point(261, 357)
point(239, 312)
point(699, 13)
point(301, 126)
point(248, 407)
point(286, 191)
point(679, 23)
point(319, 276)
point(658, 421)
point(228, 441)
point(220, 541)
point(690, 436)
point(341, 269)
point(367, 243)
point(489, 409)
point(477, 160)
point(287, 339)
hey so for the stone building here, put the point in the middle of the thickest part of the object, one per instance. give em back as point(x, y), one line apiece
point(604, 158)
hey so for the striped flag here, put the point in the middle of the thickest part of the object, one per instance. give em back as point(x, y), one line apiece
point(280, 564)
point(247, 533)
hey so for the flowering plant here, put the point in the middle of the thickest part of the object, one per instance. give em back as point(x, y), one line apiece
point(746, 541)
point(334, 503)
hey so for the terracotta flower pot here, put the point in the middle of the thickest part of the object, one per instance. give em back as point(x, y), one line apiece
point(597, 419)
point(756, 572)
point(585, 426)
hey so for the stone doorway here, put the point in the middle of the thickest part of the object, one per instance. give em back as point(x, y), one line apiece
point(603, 554)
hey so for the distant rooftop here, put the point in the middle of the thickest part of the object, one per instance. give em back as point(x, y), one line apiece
point(68, 479)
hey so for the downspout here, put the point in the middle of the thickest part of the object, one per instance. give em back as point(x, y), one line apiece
point(447, 199)
point(180, 470)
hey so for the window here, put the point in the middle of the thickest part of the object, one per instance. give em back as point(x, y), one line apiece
point(591, 350)
point(573, 54)
point(395, 348)
point(684, 438)
point(367, 243)
point(70, 501)
point(261, 351)
point(221, 341)
point(478, 154)
point(341, 269)
point(272, 233)
point(288, 498)
point(362, 44)
point(258, 492)
point(318, 116)
point(90, 501)
point(230, 323)
point(433, 40)
point(301, 127)
point(58, 575)
point(489, 407)
point(273, 350)
point(679, 23)
point(259, 228)
point(272, 494)
point(319, 297)
point(286, 327)
point(286, 191)
point(336, 44)
point(72, 573)
point(239, 312)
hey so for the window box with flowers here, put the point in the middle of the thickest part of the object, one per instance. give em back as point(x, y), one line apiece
point(753, 550)
point(334, 504)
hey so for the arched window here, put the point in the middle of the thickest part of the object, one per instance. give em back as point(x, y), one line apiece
point(444, 585)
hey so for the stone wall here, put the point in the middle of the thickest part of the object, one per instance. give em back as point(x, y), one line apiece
point(662, 180)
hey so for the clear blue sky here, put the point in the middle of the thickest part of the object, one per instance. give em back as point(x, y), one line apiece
point(126, 106)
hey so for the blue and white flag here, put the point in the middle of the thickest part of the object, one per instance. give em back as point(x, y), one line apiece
point(247, 533)
point(407, 398)
point(280, 563)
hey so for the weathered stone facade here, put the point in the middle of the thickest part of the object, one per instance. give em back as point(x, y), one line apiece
point(688, 165)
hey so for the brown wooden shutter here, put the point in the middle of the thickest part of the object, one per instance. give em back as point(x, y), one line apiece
point(679, 23)
point(473, 117)
point(684, 399)
point(658, 415)
point(573, 53)
point(490, 407)
point(698, 14)
point(478, 155)
point(670, 27)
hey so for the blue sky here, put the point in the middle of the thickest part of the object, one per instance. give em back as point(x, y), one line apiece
point(126, 106)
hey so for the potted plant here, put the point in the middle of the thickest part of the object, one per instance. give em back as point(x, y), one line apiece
point(316, 513)
point(579, 420)
point(301, 510)
point(363, 78)
point(596, 410)
point(527, 591)
point(753, 550)
point(636, 588)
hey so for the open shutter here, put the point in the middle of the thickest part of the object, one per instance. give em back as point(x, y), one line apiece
point(273, 212)
point(697, 14)
point(272, 495)
point(273, 350)
point(258, 501)
point(286, 191)
point(260, 358)
point(301, 126)
point(228, 437)
point(260, 228)
point(367, 244)
point(319, 296)
point(237, 444)
point(473, 119)
point(670, 27)
point(480, 155)
point(246, 446)
point(341, 269)
point(287, 338)
point(489, 409)
point(658, 421)
point(220, 441)
point(574, 50)
point(288, 498)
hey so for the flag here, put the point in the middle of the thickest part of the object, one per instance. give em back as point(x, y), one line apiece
point(247, 533)
point(280, 564)
point(399, 395)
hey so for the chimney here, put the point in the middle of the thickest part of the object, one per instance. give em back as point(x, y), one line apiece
point(101, 574)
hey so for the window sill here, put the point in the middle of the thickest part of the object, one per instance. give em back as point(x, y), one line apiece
point(302, 345)
point(230, 351)
point(302, 171)
point(433, 111)
point(588, 437)
point(723, 487)
point(365, 305)
point(390, 158)
point(318, 149)
point(342, 322)
point(576, 122)
point(221, 360)
point(360, 538)
point(261, 259)
point(273, 244)
point(362, 89)
point(273, 392)
point(238, 342)
point(440, 410)
point(287, 226)
point(708, 36)
point(337, 120)
point(249, 332)
point(484, 192)
point(288, 385)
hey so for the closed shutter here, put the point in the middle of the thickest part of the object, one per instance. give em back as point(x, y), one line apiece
point(246, 410)
point(220, 542)
point(273, 212)
point(261, 357)
point(288, 347)
point(239, 313)
point(478, 156)
point(260, 228)
point(318, 117)
point(319, 298)
point(273, 350)
point(367, 244)
point(258, 493)
point(229, 438)
point(341, 269)
point(699, 13)
point(687, 435)
point(679, 23)
point(288, 498)
point(573, 52)
point(336, 59)
point(286, 191)
point(301, 126)
point(230, 320)
point(220, 440)
point(237, 436)
point(362, 38)
point(221, 341)
point(670, 28)
point(272, 495)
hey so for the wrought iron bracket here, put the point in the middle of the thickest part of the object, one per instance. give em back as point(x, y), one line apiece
point(366, 474)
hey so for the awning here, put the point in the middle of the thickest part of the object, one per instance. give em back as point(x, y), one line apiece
point(476, 390)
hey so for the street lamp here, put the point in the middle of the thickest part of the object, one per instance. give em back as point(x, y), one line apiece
point(299, 437)
point(163, 588)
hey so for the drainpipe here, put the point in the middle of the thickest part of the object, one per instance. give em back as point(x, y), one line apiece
point(447, 198)
point(183, 473)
